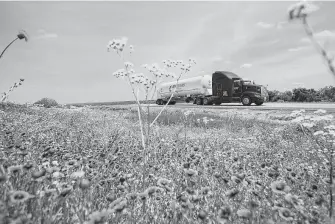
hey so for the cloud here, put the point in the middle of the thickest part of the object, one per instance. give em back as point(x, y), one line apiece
point(246, 66)
point(279, 25)
point(297, 49)
point(321, 36)
point(265, 25)
point(42, 34)
point(298, 84)
point(217, 58)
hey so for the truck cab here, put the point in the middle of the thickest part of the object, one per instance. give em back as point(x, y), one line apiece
point(228, 87)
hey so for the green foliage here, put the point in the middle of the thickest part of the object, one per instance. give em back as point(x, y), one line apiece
point(47, 102)
point(303, 95)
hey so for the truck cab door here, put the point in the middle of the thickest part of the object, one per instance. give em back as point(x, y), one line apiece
point(237, 88)
point(219, 89)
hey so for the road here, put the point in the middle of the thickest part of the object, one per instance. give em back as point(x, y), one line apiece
point(330, 107)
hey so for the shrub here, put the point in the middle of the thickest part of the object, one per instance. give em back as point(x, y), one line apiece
point(47, 102)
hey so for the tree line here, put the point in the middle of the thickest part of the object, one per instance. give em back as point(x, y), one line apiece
point(326, 94)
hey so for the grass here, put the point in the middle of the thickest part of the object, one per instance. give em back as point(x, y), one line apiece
point(86, 166)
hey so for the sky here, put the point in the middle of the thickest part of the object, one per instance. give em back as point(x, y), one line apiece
point(66, 56)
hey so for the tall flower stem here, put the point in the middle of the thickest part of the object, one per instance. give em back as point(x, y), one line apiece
point(8, 46)
point(310, 33)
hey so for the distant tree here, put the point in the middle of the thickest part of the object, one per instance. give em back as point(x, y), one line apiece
point(286, 96)
point(47, 102)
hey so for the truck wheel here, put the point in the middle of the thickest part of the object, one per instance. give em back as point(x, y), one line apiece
point(172, 102)
point(246, 101)
point(199, 101)
point(258, 103)
point(206, 101)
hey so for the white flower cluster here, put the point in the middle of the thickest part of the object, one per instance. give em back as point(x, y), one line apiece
point(120, 73)
point(117, 45)
point(11, 89)
point(301, 9)
point(205, 120)
point(139, 78)
point(157, 71)
point(314, 121)
point(188, 113)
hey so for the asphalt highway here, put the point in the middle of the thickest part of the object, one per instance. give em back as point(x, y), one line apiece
point(330, 107)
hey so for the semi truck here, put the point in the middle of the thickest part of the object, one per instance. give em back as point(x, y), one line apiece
point(212, 89)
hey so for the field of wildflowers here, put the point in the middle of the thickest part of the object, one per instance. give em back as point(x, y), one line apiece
point(85, 166)
point(110, 165)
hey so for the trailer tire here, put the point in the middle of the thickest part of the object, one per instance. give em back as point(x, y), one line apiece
point(188, 100)
point(205, 101)
point(246, 101)
point(258, 103)
point(199, 101)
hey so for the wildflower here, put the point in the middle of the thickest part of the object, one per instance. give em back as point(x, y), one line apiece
point(65, 190)
point(205, 191)
point(98, 217)
point(143, 196)
point(202, 214)
point(301, 10)
point(286, 214)
point(15, 169)
point(71, 163)
point(318, 133)
point(38, 174)
point(162, 182)
point(224, 214)
point(111, 197)
point(132, 196)
point(320, 111)
point(253, 204)
point(57, 175)
point(20, 196)
point(78, 174)
point(191, 172)
point(308, 125)
point(294, 200)
point(244, 213)
point(314, 187)
point(55, 163)
point(131, 48)
point(232, 193)
point(84, 184)
point(128, 64)
point(280, 187)
point(120, 206)
point(22, 35)
point(236, 180)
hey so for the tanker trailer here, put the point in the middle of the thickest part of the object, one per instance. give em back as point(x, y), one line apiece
point(186, 89)
point(219, 87)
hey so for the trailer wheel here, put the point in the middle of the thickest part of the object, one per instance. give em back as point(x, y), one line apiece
point(199, 101)
point(188, 99)
point(205, 101)
point(258, 103)
point(246, 101)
